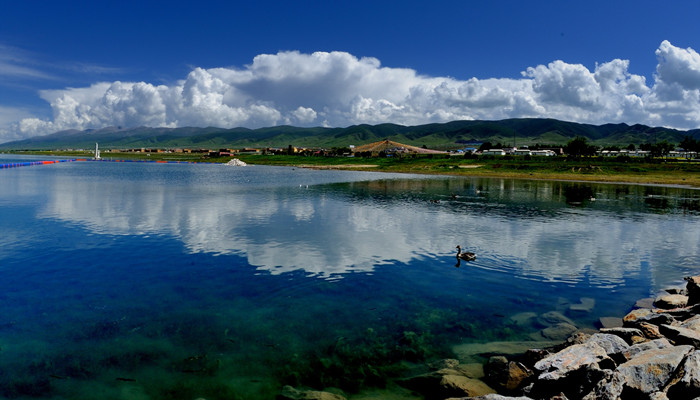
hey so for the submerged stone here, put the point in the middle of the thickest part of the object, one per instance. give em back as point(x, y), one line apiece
point(645, 303)
point(459, 385)
point(290, 393)
point(552, 318)
point(559, 331)
point(523, 318)
point(446, 363)
point(585, 306)
point(471, 352)
point(610, 322)
point(472, 370)
point(446, 383)
point(494, 397)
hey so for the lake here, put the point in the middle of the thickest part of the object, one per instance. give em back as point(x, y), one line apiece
point(173, 281)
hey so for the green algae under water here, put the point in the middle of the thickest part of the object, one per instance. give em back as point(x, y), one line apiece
point(206, 281)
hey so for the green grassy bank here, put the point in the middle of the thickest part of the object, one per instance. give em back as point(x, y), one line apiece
point(601, 169)
point(588, 169)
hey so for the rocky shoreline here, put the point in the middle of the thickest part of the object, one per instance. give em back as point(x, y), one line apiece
point(654, 354)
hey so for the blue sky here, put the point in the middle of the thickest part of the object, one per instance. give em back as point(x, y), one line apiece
point(83, 64)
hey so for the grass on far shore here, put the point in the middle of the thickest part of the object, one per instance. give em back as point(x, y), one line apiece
point(668, 172)
point(600, 169)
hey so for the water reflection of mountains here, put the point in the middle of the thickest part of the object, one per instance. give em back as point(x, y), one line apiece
point(527, 199)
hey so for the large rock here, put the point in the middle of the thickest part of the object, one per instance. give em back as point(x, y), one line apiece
point(655, 344)
point(693, 289)
point(506, 375)
point(572, 358)
point(650, 331)
point(688, 386)
point(671, 301)
point(613, 345)
point(648, 372)
point(627, 334)
point(676, 290)
point(496, 370)
point(692, 323)
point(680, 335)
point(517, 375)
point(446, 382)
point(683, 313)
point(658, 396)
point(635, 317)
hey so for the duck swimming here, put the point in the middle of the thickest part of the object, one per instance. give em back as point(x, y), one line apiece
point(466, 256)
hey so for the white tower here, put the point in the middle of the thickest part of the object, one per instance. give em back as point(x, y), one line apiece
point(97, 152)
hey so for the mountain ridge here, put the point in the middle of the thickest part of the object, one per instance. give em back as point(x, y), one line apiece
point(522, 131)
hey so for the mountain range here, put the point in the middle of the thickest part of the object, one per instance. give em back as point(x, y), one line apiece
point(450, 135)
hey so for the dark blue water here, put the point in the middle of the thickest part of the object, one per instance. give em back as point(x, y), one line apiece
point(153, 281)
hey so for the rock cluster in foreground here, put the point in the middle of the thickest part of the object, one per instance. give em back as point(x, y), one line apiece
point(655, 355)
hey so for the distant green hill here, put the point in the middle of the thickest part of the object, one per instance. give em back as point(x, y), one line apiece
point(522, 131)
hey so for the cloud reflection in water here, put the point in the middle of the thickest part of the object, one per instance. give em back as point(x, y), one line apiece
point(523, 228)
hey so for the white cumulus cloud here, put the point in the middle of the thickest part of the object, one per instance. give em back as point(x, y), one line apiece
point(305, 115)
point(340, 89)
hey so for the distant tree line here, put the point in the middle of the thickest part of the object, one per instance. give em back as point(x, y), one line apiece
point(489, 146)
point(690, 144)
point(579, 147)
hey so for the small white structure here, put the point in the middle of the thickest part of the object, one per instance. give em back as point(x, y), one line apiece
point(236, 163)
point(543, 153)
point(494, 152)
point(97, 152)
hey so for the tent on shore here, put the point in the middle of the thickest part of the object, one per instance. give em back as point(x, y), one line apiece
point(391, 147)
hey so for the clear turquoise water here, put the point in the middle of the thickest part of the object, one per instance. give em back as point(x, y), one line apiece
point(152, 281)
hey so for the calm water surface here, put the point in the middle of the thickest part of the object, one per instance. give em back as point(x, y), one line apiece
point(169, 281)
